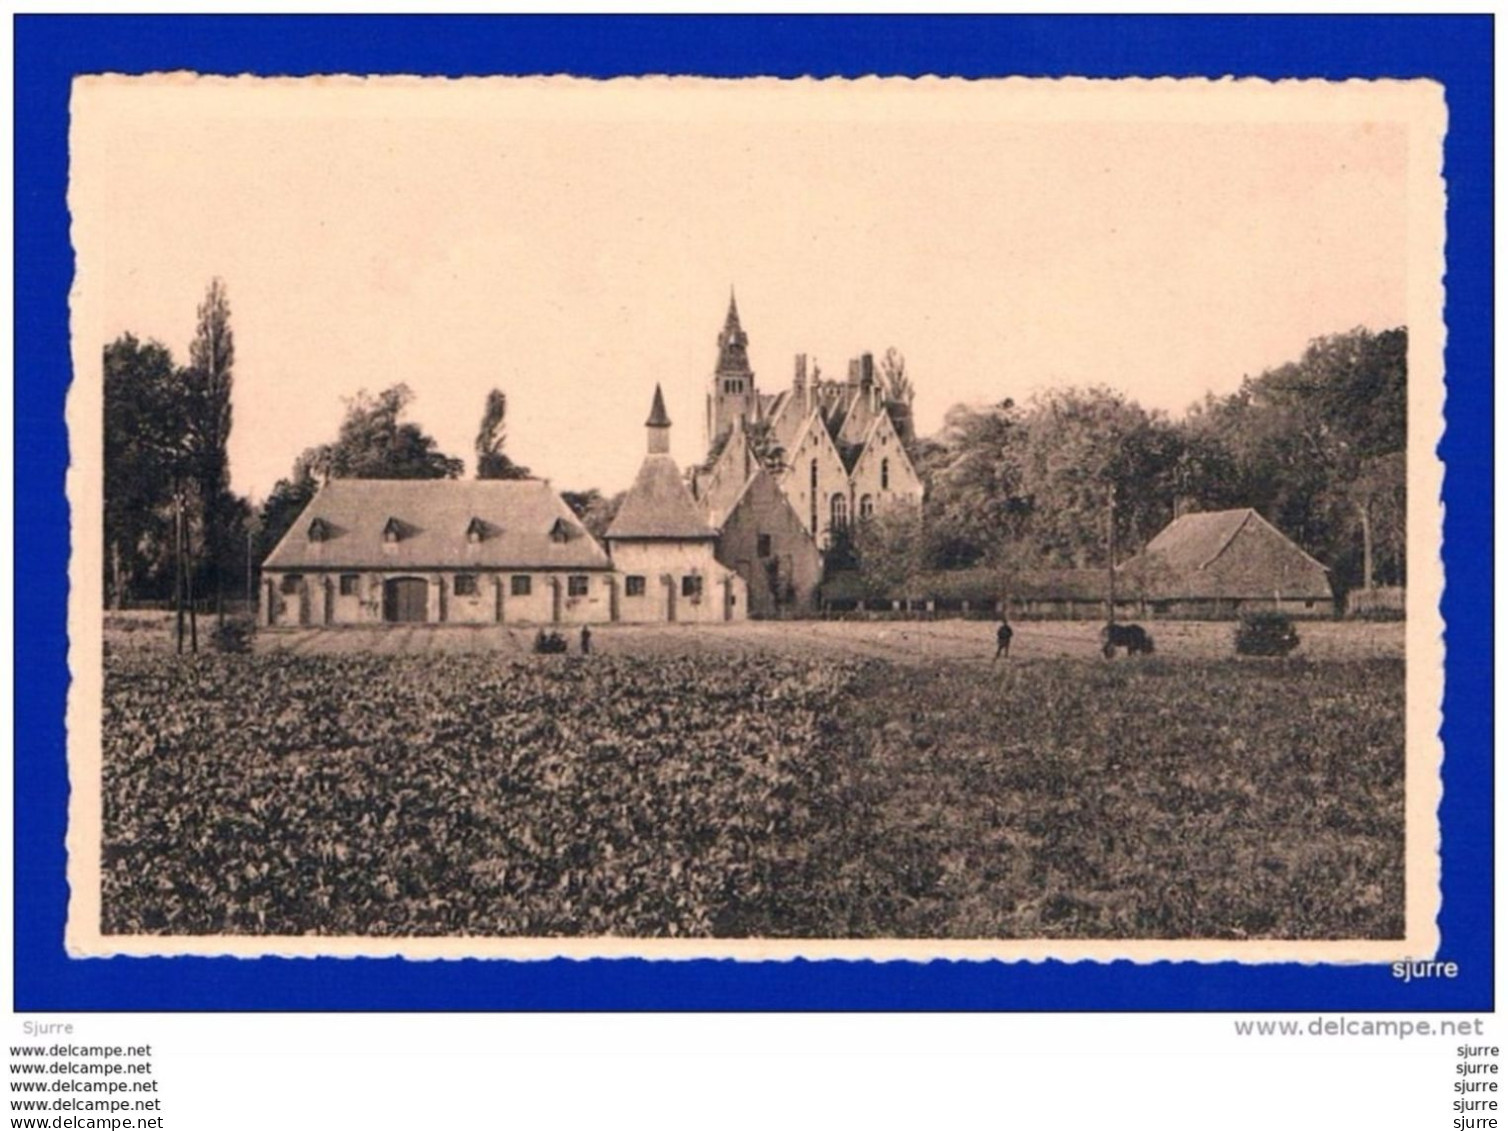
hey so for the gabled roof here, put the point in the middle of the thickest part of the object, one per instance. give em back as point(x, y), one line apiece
point(659, 505)
point(432, 518)
point(880, 422)
point(1195, 541)
point(1233, 554)
point(725, 479)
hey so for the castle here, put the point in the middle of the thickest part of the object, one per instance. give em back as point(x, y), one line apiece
point(743, 533)
point(786, 473)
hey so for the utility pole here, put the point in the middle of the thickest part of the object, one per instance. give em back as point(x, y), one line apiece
point(178, 564)
point(1110, 540)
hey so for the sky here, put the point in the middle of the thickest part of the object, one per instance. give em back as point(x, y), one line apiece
point(574, 243)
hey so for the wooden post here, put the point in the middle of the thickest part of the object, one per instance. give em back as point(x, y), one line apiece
point(178, 567)
point(1110, 538)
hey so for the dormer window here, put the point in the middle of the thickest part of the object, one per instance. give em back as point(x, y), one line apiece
point(320, 531)
point(476, 531)
point(393, 531)
point(562, 531)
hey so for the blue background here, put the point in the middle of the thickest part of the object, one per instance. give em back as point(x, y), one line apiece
point(51, 50)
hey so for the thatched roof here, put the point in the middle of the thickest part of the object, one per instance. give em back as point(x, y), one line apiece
point(437, 523)
point(1225, 555)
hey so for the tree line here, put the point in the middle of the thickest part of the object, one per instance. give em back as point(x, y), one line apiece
point(1317, 446)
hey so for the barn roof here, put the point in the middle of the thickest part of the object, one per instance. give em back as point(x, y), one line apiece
point(1226, 554)
point(659, 505)
point(437, 523)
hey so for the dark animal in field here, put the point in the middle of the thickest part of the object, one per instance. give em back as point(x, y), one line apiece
point(1132, 637)
point(1003, 636)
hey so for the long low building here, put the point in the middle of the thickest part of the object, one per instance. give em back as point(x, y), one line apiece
point(373, 551)
point(499, 551)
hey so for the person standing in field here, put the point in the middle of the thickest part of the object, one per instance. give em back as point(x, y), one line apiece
point(1003, 636)
point(586, 641)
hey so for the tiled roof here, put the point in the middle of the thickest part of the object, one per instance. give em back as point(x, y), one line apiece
point(659, 505)
point(1226, 555)
point(1193, 541)
point(512, 518)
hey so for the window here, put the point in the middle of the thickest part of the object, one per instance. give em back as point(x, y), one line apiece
point(633, 586)
point(576, 585)
point(561, 531)
point(522, 585)
point(884, 475)
point(840, 512)
point(691, 586)
point(319, 530)
point(814, 496)
point(291, 582)
point(465, 585)
point(764, 545)
point(392, 531)
point(866, 507)
point(349, 583)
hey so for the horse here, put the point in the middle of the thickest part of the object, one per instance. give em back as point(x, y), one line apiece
point(1132, 637)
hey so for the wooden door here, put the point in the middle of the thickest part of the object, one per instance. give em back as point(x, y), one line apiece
point(405, 600)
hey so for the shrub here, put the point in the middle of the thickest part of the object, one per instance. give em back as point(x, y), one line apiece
point(1266, 634)
point(234, 635)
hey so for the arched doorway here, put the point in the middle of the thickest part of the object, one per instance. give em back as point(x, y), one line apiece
point(405, 600)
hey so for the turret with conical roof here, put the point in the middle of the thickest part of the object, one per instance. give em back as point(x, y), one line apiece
point(732, 393)
point(658, 425)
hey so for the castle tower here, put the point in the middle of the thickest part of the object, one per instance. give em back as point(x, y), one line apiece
point(732, 393)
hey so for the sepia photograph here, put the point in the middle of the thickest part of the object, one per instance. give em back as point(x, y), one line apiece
point(672, 518)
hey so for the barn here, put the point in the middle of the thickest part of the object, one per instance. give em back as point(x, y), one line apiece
point(437, 551)
point(1222, 563)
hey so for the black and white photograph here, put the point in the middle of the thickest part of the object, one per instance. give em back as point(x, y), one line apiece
point(883, 518)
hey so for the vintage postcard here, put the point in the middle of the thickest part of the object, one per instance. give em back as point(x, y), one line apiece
point(882, 519)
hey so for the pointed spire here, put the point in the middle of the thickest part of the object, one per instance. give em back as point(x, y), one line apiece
point(733, 343)
point(658, 425)
point(658, 418)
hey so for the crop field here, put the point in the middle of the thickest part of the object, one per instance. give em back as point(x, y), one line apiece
point(775, 780)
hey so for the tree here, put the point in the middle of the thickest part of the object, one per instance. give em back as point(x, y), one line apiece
point(899, 394)
point(491, 462)
point(972, 475)
point(205, 395)
point(140, 426)
point(375, 444)
point(595, 510)
point(1318, 447)
point(890, 548)
point(1083, 447)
